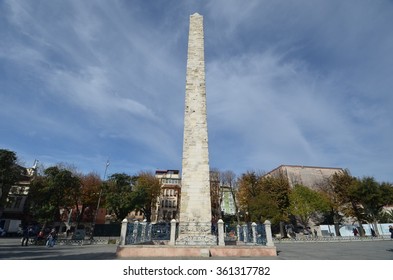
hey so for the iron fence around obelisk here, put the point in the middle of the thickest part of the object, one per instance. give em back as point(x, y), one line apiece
point(160, 233)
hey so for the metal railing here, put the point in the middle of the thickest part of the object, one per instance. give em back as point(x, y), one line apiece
point(149, 233)
point(251, 233)
point(305, 238)
point(142, 233)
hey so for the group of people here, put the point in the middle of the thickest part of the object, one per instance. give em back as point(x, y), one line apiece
point(28, 233)
point(356, 232)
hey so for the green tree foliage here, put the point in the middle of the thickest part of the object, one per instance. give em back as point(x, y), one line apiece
point(118, 195)
point(386, 216)
point(10, 173)
point(278, 189)
point(346, 187)
point(39, 198)
point(58, 189)
point(364, 199)
point(249, 189)
point(126, 193)
point(373, 196)
point(145, 194)
point(334, 215)
point(264, 207)
point(305, 203)
point(264, 197)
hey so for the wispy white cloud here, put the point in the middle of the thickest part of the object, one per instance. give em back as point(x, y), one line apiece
point(287, 82)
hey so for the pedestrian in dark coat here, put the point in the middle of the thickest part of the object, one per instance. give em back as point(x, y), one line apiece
point(25, 236)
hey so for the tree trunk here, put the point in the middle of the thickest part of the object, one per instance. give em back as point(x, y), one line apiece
point(336, 224)
point(359, 219)
point(362, 231)
point(147, 213)
point(282, 230)
point(337, 229)
point(375, 224)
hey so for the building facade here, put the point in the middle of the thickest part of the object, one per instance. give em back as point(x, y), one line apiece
point(227, 202)
point(14, 211)
point(168, 202)
point(308, 176)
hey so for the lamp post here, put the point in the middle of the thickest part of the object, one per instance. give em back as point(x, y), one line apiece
point(99, 201)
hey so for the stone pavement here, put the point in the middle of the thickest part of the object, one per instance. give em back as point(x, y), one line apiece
point(352, 250)
point(10, 249)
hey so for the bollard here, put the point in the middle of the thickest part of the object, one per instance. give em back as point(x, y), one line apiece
point(254, 232)
point(123, 232)
point(268, 230)
point(221, 240)
point(173, 233)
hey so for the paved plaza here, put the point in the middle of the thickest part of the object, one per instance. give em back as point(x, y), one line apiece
point(10, 249)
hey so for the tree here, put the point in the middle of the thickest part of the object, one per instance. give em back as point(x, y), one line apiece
point(264, 197)
point(10, 173)
point(65, 189)
point(278, 189)
point(264, 207)
point(118, 194)
point(373, 196)
point(215, 194)
point(91, 187)
point(57, 190)
point(39, 200)
point(145, 194)
point(386, 216)
point(306, 203)
point(345, 186)
point(249, 189)
point(334, 215)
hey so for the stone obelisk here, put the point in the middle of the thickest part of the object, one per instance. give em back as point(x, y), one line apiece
point(195, 207)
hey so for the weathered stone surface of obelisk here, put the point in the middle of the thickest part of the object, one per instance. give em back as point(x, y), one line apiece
point(195, 207)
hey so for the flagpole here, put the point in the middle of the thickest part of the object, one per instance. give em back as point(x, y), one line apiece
point(99, 201)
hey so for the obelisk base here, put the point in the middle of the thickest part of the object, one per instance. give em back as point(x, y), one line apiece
point(197, 239)
point(196, 234)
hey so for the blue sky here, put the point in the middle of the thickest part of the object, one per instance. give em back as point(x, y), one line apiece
point(288, 82)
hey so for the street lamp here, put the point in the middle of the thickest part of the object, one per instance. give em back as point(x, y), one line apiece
point(99, 201)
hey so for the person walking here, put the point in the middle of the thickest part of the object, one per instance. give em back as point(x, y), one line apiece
point(25, 236)
point(51, 239)
point(391, 231)
point(40, 237)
